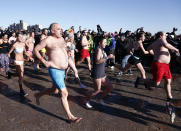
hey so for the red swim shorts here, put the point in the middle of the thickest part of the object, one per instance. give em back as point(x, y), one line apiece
point(160, 70)
point(84, 53)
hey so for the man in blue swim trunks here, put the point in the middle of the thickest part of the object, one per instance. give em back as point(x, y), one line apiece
point(57, 63)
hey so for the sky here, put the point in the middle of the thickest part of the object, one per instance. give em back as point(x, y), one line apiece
point(153, 15)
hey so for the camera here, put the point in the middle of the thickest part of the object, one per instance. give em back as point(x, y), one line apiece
point(99, 30)
point(175, 29)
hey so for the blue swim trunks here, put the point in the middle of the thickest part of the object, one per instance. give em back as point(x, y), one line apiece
point(57, 76)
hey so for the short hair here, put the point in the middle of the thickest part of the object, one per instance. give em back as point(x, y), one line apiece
point(52, 25)
point(139, 35)
point(31, 33)
point(19, 33)
point(158, 34)
point(44, 30)
point(83, 31)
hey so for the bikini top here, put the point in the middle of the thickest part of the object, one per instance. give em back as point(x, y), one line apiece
point(71, 47)
point(19, 50)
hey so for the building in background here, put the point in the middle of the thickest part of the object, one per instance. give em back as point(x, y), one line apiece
point(22, 26)
point(18, 26)
point(35, 28)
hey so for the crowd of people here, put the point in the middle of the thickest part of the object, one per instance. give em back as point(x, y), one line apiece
point(61, 51)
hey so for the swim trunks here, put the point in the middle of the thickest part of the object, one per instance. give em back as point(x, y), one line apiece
point(57, 75)
point(160, 70)
point(84, 53)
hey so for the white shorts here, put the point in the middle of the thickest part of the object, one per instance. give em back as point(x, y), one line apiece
point(18, 62)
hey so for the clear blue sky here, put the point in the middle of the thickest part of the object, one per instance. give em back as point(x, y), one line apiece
point(153, 15)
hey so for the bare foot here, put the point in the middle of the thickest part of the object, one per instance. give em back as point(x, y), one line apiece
point(37, 98)
point(75, 120)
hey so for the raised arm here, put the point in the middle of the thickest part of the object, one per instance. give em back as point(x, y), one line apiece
point(169, 46)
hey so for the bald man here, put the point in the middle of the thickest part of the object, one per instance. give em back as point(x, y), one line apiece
point(57, 63)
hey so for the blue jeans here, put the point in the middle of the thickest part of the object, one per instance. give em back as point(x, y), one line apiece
point(4, 61)
point(125, 61)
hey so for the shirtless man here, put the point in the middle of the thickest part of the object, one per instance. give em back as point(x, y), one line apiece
point(85, 52)
point(57, 63)
point(160, 66)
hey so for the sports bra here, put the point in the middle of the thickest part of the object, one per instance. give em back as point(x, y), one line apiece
point(19, 50)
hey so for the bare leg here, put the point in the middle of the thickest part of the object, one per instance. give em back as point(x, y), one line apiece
point(47, 91)
point(64, 95)
point(20, 71)
point(78, 62)
point(167, 84)
point(97, 88)
point(89, 63)
point(72, 65)
point(143, 77)
point(106, 83)
point(142, 71)
point(127, 67)
point(66, 73)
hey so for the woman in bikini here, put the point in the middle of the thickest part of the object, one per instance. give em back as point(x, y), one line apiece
point(19, 50)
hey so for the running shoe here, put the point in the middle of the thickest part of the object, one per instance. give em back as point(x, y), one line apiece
point(172, 116)
point(120, 73)
point(147, 86)
point(88, 105)
point(137, 82)
point(129, 73)
point(23, 93)
point(169, 108)
point(77, 79)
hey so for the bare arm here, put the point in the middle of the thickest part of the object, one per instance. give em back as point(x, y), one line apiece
point(150, 49)
point(84, 42)
point(1, 41)
point(100, 60)
point(143, 49)
point(40, 46)
point(11, 50)
point(169, 46)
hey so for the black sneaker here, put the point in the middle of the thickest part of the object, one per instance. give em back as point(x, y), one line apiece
point(147, 86)
point(23, 93)
point(77, 80)
point(136, 82)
